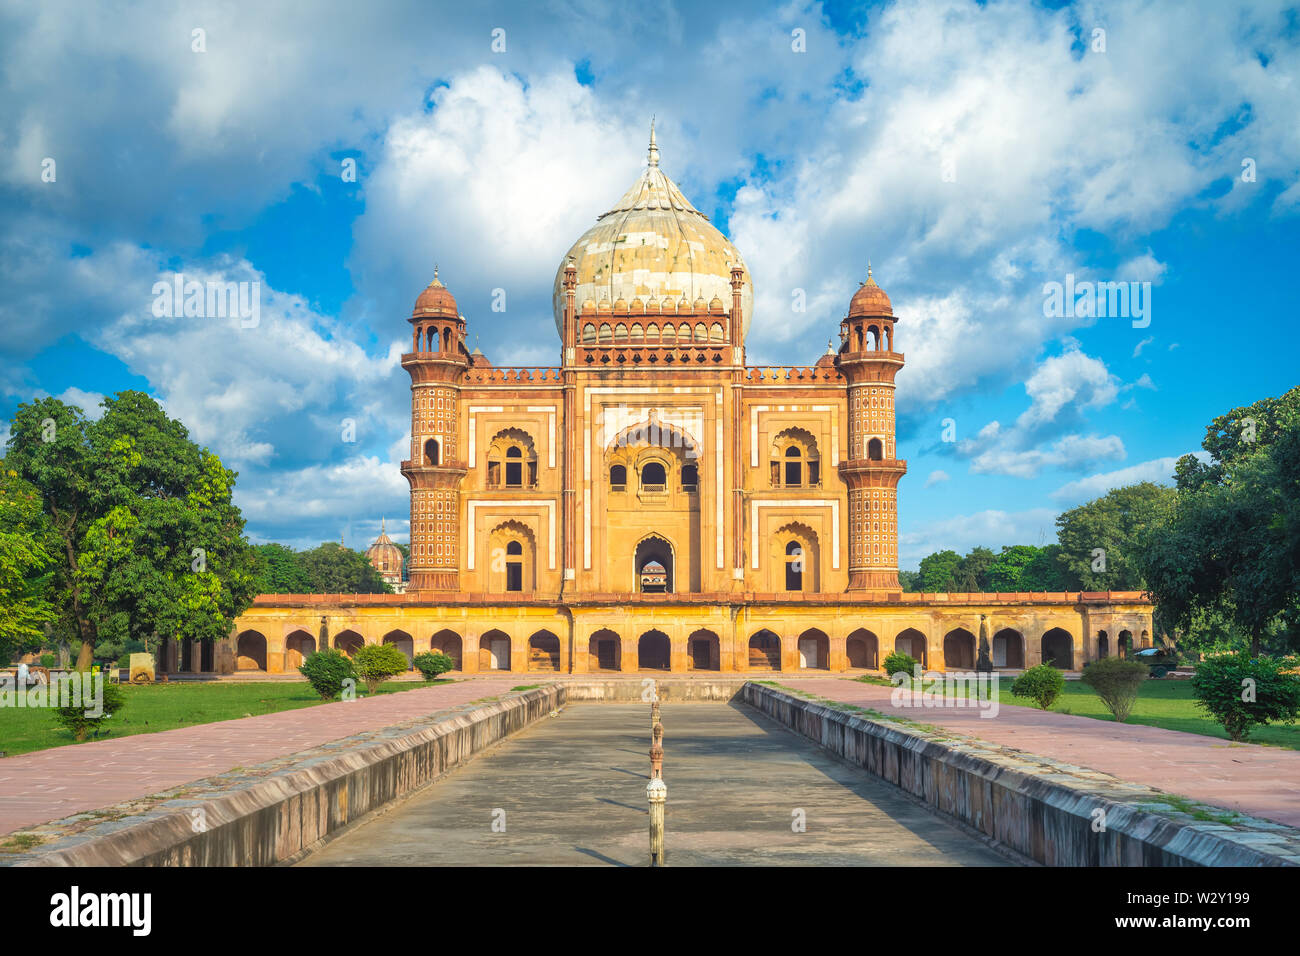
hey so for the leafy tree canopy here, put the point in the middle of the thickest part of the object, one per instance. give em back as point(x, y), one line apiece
point(1099, 540)
point(26, 566)
point(149, 543)
point(334, 569)
point(938, 571)
point(1230, 547)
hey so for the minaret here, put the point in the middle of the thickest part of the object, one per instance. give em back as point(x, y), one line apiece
point(436, 364)
point(869, 362)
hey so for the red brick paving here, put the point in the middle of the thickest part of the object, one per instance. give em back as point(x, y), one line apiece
point(1260, 781)
point(51, 784)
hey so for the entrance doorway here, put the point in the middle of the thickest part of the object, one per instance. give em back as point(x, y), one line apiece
point(653, 564)
point(652, 651)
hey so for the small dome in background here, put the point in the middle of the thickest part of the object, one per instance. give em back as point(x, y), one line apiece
point(386, 558)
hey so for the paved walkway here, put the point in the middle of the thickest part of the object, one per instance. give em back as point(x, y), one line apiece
point(1261, 781)
point(571, 792)
point(52, 784)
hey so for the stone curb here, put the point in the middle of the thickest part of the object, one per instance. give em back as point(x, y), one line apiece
point(1044, 809)
point(271, 813)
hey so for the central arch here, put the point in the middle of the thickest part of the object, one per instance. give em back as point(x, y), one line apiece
point(250, 651)
point(959, 649)
point(863, 649)
point(765, 651)
point(349, 642)
point(1058, 649)
point(544, 652)
point(814, 649)
point(653, 550)
point(1008, 648)
point(403, 642)
point(605, 651)
point(702, 651)
point(494, 651)
point(653, 651)
point(448, 642)
point(913, 643)
point(296, 648)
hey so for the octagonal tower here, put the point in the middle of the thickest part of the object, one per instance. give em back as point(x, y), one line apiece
point(436, 363)
point(869, 362)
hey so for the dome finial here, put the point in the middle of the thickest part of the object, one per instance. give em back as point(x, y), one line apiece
point(381, 525)
point(868, 270)
point(654, 150)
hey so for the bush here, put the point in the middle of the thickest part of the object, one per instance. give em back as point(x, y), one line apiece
point(75, 719)
point(375, 663)
point(1116, 682)
point(432, 663)
point(49, 661)
point(896, 662)
point(326, 671)
point(1240, 691)
point(1042, 684)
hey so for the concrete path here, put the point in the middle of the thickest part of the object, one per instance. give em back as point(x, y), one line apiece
point(51, 784)
point(1261, 781)
point(572, 789)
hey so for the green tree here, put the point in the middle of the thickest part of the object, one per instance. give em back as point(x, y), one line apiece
point(1099, 540)
point(280, 570)
point(939, 571)
point(1007, 570)
point(1240, 691)
point(26, 567)
point(1046, 572)
point(972, 572)
point(334, 569)
point(375, 663)
point(149, 544)
point(1230, 546)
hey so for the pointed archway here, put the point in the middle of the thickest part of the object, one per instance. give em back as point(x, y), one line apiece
point(653, 566)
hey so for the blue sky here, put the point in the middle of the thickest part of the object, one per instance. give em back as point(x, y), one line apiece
point(973, 152)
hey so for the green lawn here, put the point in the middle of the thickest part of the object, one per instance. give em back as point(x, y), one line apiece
point(1164, 703)
point(154, 707)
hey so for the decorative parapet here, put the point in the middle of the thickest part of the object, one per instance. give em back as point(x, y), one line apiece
point(495, 376)
point(793, 374)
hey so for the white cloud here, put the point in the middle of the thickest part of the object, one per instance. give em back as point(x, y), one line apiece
point(347, 497)
point(1060, 389)
point(1084, 489)
point(936, 477)
point(1073, 452)
point(993, 529)
point(1160, 470)
point(492, 165)
point(88, 402)
point(1070, 380)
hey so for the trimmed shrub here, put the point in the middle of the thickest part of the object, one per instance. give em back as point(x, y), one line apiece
point(49, 661)
point(1042, 684)
point(375, 663)
point(75, 720)
point(1240, 691)
point(431, 664)
point(326, 671)
point(898, 661)
point(1116, 681)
